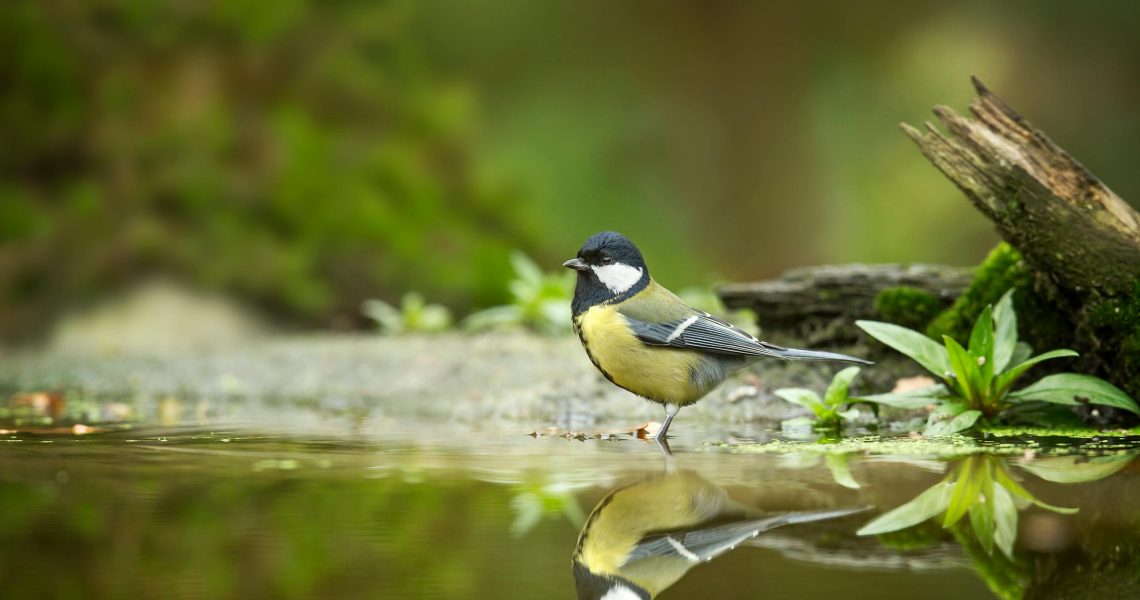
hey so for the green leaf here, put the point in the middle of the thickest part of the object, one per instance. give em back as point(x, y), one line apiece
point(840, 471)
point(1021, 353)
point(966, 371)
point(1011, 485)
point(965, 492)
point(926, 505)
point(386, 316)
point(982, 348)
point(837, 392)
point(1014, 488)
point(1005, 520)
point(412, 302)
point(1009, 377)
point(1061, 510)
point(1065, 388)
point(525, 268)
point(982, 511)
point(1077, 469)
point(803, 397)
point(849, 415)
point(946, 420)
point(434, 317)
point(910, 399)
point(922, 349)
point(982, 522)
point(1005, 332)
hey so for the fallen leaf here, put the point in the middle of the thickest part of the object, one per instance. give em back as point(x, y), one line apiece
point(648, 430)
point(50, 403)
point(907, 384)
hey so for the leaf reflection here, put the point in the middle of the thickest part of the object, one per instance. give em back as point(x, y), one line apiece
point(984, 490)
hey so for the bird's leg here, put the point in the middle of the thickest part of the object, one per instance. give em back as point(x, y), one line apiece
point(663, 446)
point(670, 412)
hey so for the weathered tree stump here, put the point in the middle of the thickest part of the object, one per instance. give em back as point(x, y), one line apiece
point(1066, 223)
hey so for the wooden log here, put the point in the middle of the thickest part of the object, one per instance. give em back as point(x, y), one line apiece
point(818, 306)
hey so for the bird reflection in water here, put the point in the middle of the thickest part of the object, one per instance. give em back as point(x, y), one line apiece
point(643, 538)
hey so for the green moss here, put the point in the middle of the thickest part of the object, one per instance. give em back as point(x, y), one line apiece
point(998, 442)
point(1068, 432)
point(942, 447)
point(920, 536)
point(907, 306)
point(1040, 324)
point(1115, 324)
point(1001, 270)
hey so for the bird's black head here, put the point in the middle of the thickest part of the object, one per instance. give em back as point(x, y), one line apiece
point(610, 269)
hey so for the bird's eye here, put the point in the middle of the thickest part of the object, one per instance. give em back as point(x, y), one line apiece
point(607, 260)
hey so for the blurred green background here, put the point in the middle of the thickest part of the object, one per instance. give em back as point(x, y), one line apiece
point(305, 156)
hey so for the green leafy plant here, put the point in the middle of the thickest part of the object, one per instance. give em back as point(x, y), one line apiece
point(539, 300)
point(978, 379)
point(978, 486)
point(828, 410)
point(413, 315)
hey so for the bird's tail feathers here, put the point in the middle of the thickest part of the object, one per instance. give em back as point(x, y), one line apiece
point(808, 516)
point(798, 354)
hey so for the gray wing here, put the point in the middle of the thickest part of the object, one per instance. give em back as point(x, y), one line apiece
point(700, 545)
point(702, 331)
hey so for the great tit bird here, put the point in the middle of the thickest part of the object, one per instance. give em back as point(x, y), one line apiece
point(641, 539)
point(645, 339)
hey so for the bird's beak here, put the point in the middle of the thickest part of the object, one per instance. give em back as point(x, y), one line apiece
point(576, 264)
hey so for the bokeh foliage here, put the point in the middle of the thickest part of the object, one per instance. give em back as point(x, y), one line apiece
point(299, 154)
point(308, 155)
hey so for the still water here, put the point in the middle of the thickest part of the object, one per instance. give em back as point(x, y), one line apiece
point(212, 512)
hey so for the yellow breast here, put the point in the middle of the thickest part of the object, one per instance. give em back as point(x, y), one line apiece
point(659, 374)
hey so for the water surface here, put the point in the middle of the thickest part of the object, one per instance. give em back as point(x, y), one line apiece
point(420, 510)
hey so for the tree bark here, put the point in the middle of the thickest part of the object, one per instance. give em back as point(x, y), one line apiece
point(1065, 222)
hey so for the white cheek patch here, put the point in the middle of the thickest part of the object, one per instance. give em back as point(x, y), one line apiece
point(620, 592)
point(618, 277)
